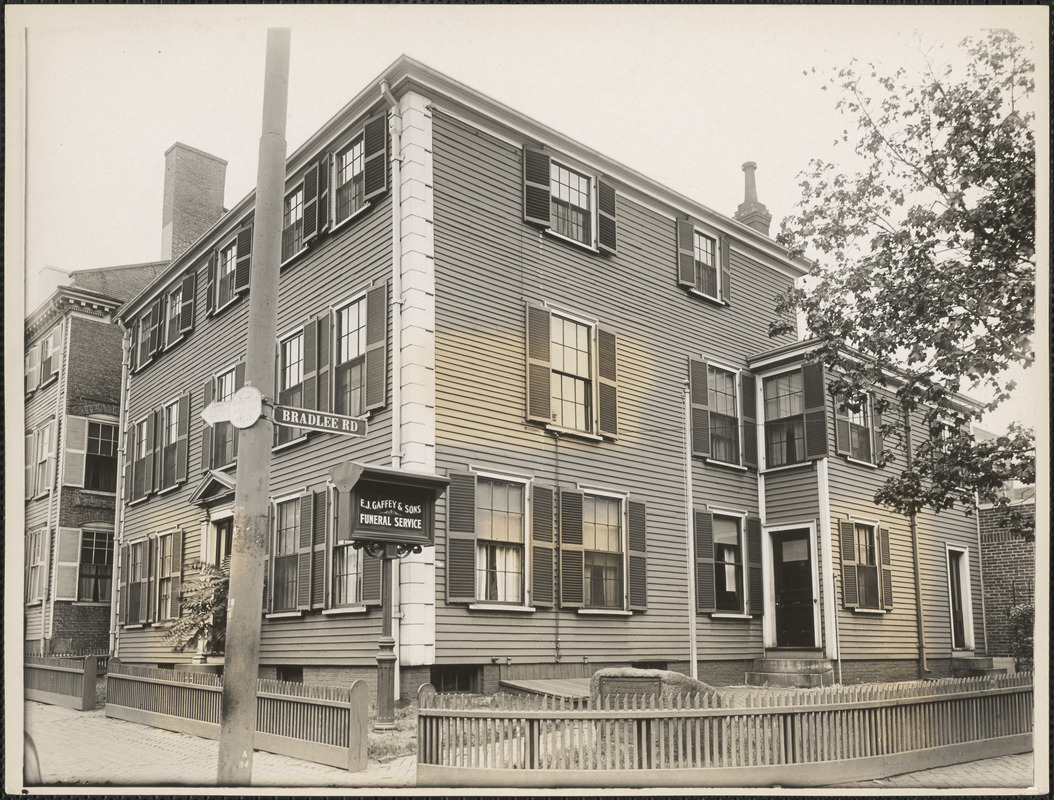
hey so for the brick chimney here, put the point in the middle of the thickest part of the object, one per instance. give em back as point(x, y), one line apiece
point(750, 211)
point(194, 184)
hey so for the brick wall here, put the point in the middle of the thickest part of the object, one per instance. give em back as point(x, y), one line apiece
point(80, 628)
point(1009, 572)
point(94, 374)
point(877, 671)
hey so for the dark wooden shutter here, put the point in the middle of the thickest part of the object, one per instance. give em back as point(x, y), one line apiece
point(122, 586)
point(146, 595)
point(157, 311)
point(186, 311)
point(318, 549)
point(129, 461)
point(607, 218)
point(210, 284)
point(750, 420)
point(572, 551)
point(461, 538)
point(847, 539)
point(303, 551)
point(700, 398)
point(705, 585)
point(151, 453)
point(74, 461)
point(67, 562)
point(536, 180)
point(324, 169)
point(311, 203)
point(239, 382)
point(206, 429)
point(755, 585)
point(814, 395)
point(877, 442)
point(243, 266)
point(539, 389)
point(886, 568)
point(33, 366)
point(375, 164)
point(182, 437)
point(324, 362)
point(310, 373)
point(686, 254)
point(376, 368)
point(143, 350)
point(726, 268)
point(841, 428)
point(371, 580)
point(543, 567)
point(607, 389)
point(31, 455)
point(638, 555)
point(176, 574)
point(268, 561)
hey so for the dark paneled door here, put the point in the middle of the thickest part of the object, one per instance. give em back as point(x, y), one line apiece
point(792, 576)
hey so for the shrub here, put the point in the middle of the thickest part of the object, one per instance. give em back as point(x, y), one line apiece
point(204, 602)
point(1022, 621)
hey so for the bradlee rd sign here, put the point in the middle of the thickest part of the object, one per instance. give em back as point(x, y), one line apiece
point(319, 421)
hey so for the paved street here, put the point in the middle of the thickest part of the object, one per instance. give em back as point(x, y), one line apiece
point(86, 748)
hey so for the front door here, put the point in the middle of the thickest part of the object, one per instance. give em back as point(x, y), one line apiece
point(792, 576)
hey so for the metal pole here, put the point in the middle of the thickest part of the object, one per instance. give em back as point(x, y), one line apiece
point(242, 651)
point(386, 656)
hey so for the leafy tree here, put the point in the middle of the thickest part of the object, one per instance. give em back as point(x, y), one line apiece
point(204, 608)
point(924, 277)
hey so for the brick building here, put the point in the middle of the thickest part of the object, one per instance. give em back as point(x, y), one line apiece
point(73, 362)
point(1009, 569)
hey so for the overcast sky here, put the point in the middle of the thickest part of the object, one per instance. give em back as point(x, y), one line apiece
point(683, 94)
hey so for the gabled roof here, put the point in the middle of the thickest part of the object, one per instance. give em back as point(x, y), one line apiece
point(213, 486)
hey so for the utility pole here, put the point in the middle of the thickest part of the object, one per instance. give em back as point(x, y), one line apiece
point(251, 495)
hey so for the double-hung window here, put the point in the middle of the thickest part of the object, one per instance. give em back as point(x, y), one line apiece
point(293, 223)
point(784, 419)
point(347, 575)
point(287, 527)
point(569, 202)
point(856, 430)
point(572, 374)
point(703, 262)
point(350, 375)
point(43, 462)
point(350, 179)
point(866, 565)
point(291, 381)
point(571, 210)
point(174, 314)
point(500, 532)
point(36, 564)
point(959, 598)
point(705, 251)
point(724, 415)
point(224, 435)
point(866, 569)
point(603, 557)
point(96, 566)
point(728, 564)
point(100, 460)
point(164, 577)
point(226, 275)
point(170, 436)
point(141, 454)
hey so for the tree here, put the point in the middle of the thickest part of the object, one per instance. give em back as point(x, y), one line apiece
point(924, 277)
point(204, 609)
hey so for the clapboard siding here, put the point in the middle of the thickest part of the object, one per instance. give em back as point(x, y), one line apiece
point(337, 267)
point(34, 616)
point(791, 495)
point(481, 241)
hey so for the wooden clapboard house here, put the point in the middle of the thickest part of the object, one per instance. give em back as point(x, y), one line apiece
point(580, 355)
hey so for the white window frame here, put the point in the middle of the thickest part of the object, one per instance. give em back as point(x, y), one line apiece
point(737, 375)
point(868, 410)
point(744, 575)
point(876, 540)
point(333, 537)
point(41, 460)
point(969, 642)
point(591, 177)
point(763, 420)
point(274, 554)
point(232, 372)
point(334, 187)
point(115, 425)
point(95, 530)
point(526, 604)
point(334, 349)
point(297, 188)
point(230, 246)
point(173, 406)
point(162, 615)
point(295, 333)
point(209, 539)
point(715, 236)
point(592, 431)
point(173, 312)
point(37, 548)
point(623, 500)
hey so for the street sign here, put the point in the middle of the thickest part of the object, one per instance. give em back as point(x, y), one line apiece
point(216, 411)
point(319, 421)
point(246, 407)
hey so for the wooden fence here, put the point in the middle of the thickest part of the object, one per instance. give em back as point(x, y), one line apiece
point(66, 682)
point(732, 738)
point(324, 724)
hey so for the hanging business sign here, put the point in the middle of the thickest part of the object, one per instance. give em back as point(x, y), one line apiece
point(386, 505)
point(319, 421)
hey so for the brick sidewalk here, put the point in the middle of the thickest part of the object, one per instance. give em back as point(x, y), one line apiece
point(1004, 772)
point(87, 748)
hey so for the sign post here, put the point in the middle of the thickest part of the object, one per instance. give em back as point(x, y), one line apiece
point(248, 550)
point(388, 514)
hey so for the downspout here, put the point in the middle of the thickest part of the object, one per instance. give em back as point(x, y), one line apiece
point(693, 644)
point(913, 525)
point(832, 642)
point(122, 455)
point(397, 341)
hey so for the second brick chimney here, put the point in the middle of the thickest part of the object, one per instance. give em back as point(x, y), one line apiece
point(194, 184)
point(750, 211)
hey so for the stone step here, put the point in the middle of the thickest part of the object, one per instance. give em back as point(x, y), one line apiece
point(793, 665)
point(798, 680)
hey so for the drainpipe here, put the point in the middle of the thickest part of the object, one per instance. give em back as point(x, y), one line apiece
point(912, 523)
point(693, 645)
point(122, 455)
point(397, 340)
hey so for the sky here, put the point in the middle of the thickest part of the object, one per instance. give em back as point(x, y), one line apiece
point(682, 94)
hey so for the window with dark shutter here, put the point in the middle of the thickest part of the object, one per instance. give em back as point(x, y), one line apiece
point(536, 187)
point(376, 347)
point(305, 545)
point(186, 309)
point(244, 264)
point(543, 567)
point(750, 421)
point(607, 384)
point(700, 401)
point(755, 585)
point(538, 365)
point(814, 394)
point(572, 553)
point(607, 216)
point(854, 430)
point(703, 262)
point(706, 592)
point(867, 580)
point(375, 140)
point(311, 217)
point(638, 555)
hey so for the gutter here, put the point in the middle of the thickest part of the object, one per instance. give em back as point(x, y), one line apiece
point(122, 456)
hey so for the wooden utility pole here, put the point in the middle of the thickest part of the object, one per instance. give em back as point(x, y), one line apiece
point(251, 496)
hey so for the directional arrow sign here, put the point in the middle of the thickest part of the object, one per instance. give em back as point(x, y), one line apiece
point(217, 411)
point(319, 421)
